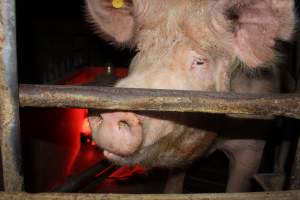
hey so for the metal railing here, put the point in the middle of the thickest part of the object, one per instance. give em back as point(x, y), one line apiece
point(121, 99)
point(158, 100)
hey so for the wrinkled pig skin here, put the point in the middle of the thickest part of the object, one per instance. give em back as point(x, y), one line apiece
point(203, 45)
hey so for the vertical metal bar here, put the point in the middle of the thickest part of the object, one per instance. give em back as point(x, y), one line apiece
point(9, 106)
point(295, 176)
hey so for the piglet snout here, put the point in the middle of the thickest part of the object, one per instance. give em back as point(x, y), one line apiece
point(119, 133)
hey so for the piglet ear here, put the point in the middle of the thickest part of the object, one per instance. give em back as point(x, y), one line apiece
point(256, 25)
point(113, 19)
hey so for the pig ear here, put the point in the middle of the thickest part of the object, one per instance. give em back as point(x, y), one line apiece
point(114, 23)
point(256, 25)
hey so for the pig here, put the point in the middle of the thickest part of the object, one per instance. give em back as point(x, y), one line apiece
point(200, 45)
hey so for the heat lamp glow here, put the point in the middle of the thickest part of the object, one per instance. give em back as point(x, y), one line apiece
point(87, 75)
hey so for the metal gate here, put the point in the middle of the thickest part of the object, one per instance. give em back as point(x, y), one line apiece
point(12, 95)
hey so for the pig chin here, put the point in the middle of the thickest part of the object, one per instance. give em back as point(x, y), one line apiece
point(169, 151)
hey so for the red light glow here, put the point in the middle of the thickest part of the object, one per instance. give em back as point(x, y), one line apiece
point(125, 172)
point(85, 128)
point(66, 127)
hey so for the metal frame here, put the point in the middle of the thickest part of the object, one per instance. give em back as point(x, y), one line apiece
point(287, 195)
point(159, 100)
point(294, 183)
point(9, 107)
point(113, 98)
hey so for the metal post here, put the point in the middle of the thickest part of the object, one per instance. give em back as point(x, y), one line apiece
point(295, 176)
point(9, 106)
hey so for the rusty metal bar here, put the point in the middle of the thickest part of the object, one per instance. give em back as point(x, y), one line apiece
point(100, 179)
point(77, 182)
point(9, 108)
point(158, 100)
point(287, 195)
point(295, 175)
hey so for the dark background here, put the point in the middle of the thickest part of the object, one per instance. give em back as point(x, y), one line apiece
point(54, 39)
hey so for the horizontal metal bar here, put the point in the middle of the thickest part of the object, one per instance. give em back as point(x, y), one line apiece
point(158, 100)
point(286, 195)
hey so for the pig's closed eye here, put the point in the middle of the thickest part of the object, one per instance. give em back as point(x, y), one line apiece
point(195, 60)
point(198, 61)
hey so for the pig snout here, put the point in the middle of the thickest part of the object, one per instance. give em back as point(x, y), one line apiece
point(118, 133)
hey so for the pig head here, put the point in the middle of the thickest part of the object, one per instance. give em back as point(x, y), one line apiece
point(181, 45)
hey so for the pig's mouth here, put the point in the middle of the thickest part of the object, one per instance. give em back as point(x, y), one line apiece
point(118, 133)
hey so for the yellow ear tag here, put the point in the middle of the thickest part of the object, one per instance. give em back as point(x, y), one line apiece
point(118, 3)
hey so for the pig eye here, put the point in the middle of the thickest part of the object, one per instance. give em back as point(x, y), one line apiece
point(195, 60)
point(198, 62)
